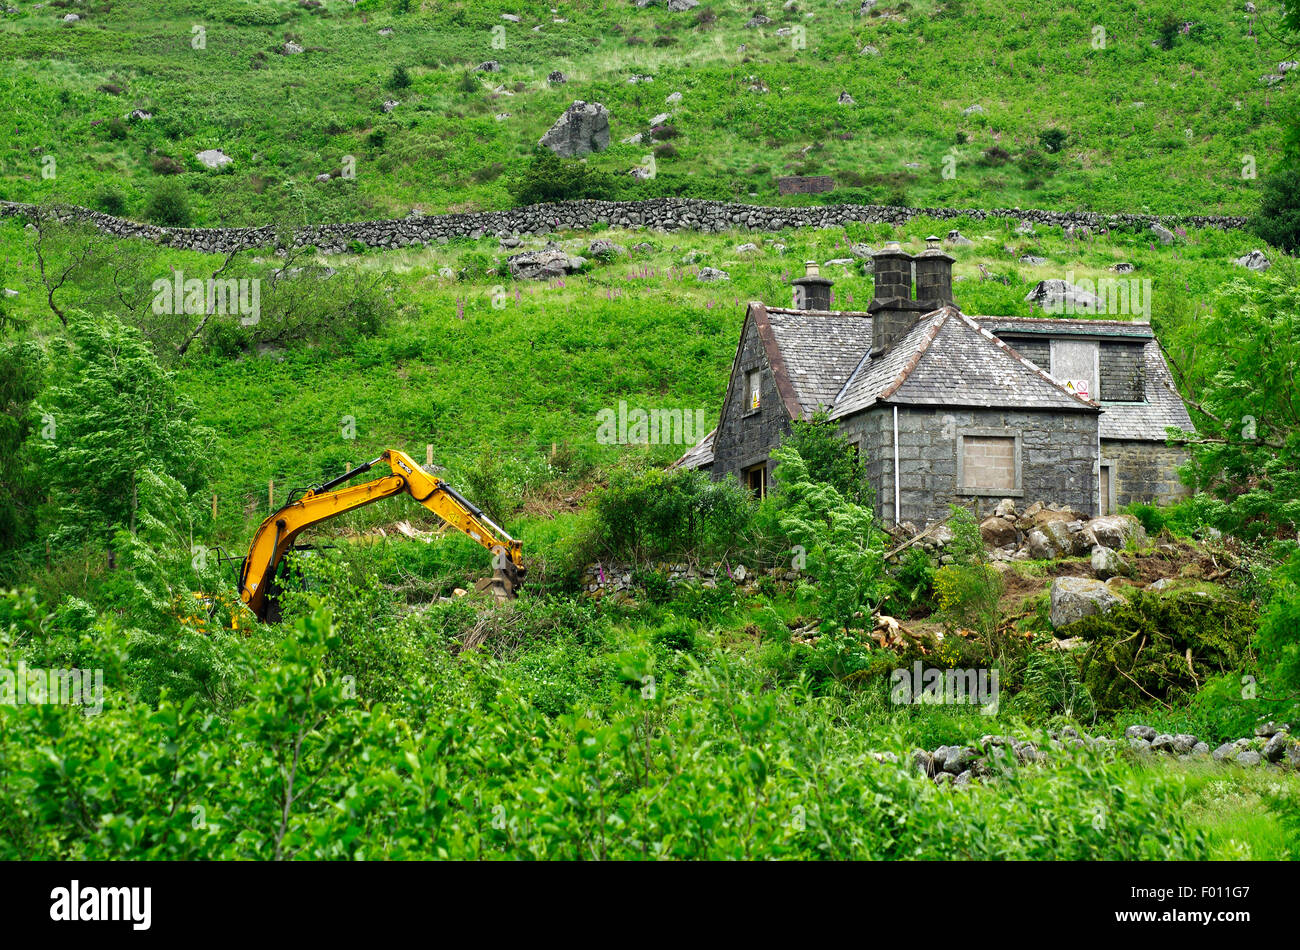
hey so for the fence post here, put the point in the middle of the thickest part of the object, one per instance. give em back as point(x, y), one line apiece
point(428, 454)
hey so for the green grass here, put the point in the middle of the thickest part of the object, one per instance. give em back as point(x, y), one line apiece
point(1149, 129)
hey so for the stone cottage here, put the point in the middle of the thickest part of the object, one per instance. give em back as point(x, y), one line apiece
point(951, 408)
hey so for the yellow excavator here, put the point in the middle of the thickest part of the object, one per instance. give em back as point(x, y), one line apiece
point(275, 536)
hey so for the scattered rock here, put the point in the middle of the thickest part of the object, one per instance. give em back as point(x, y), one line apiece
point(605, 249)
point(491, 66)
point(1058, 296)
point(710, 274)
point(956, 239)
point(1140, 732)
point(581, 130)
point(846, 100)
point(1106, 563)
point(1116, 531)
point(557, 78)
point(1124, 267)
point(1249, 758)
point(213, 158)
point(1164, 235)
point(390, 104)
point(681, 6)
point(757, 20)
point(544, 264)
point(1073, 598)
point(1255, 260)
point(973, 110)
point(869, 51)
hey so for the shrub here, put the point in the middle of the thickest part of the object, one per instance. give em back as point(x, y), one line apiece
point(400, 79)
point(969, 589)
point(830, 457)
point(995, 156)
point(678, 512)
point(1052, 140)
point(168, 205)
point(110, 201)
point(1278, 218)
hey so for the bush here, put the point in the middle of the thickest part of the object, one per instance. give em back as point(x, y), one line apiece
point(110, 201)
point(547, 177)
point(1278, 218)
point(169, 206)
point(400, 79)
point(968, 589)
point(1052, 140)
point(831, 459)
point(674, 513)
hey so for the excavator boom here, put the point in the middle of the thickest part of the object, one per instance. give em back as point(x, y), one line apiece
point(276, 534)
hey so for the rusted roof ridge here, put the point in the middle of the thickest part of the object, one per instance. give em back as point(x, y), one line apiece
point(767, 336)
point(926, 339)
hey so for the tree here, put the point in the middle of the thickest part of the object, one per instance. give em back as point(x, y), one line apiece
point(20, 382)
point(1238, 366)
point(113, 414)
point(1278, 218)
point(831, 458)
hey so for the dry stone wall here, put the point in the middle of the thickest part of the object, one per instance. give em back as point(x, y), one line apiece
point(657, 214)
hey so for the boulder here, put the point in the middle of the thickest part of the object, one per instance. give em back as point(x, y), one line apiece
point(1270, 728)
point(1225, 753)
point(1073, 598)
point(213, 158)
point(846, 99)
point(581, 130)
point(1163, 234)
point(1249, 758)
point(711, 274)
point(1006, 509)
point(544, 264)
point(998, 532)
point(1115, 531)
point(1140, 732)
point(1038, 546)
point(1255, 260)
point(557, 78)
point(1276, 747)
point(605, 248)
point(1060, 296)
point(1106, 563)
point(1184, 743)
point(956, 239)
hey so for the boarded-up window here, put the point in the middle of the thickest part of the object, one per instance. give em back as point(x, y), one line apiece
point(753, 380)
point(989, 462)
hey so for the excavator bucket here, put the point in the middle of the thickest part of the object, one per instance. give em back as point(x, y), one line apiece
point(505, 580)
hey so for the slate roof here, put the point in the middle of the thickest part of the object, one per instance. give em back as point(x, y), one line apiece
point(1147, 421)
point(1137, 421)
point(821, 350)
point(947, 359)
point(821, 359)
point(1058, 326)
point(699, 455)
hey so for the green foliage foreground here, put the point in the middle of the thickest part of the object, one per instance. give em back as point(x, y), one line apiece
point(711, 766)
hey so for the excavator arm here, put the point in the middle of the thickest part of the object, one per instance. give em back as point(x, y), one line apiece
point(276, 534)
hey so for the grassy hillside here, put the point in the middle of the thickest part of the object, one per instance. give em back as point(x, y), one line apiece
point(1147, 127)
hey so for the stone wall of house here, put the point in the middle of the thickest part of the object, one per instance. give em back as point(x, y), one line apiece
point(1145, 471)
point(1123, 371)
point(745, 438)
point(659, 214)
point(1058, 457)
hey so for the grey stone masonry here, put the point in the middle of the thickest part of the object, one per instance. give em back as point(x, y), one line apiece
point(745, 436)
point(1145, 471)
point(1123, 372)
point(1056, 456)
point(660, 214)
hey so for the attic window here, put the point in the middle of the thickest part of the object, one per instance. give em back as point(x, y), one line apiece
point(753, 387)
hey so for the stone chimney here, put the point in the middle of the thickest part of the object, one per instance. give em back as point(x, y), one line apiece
point(812, 291)
point(933, 276)
point(893, 311)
